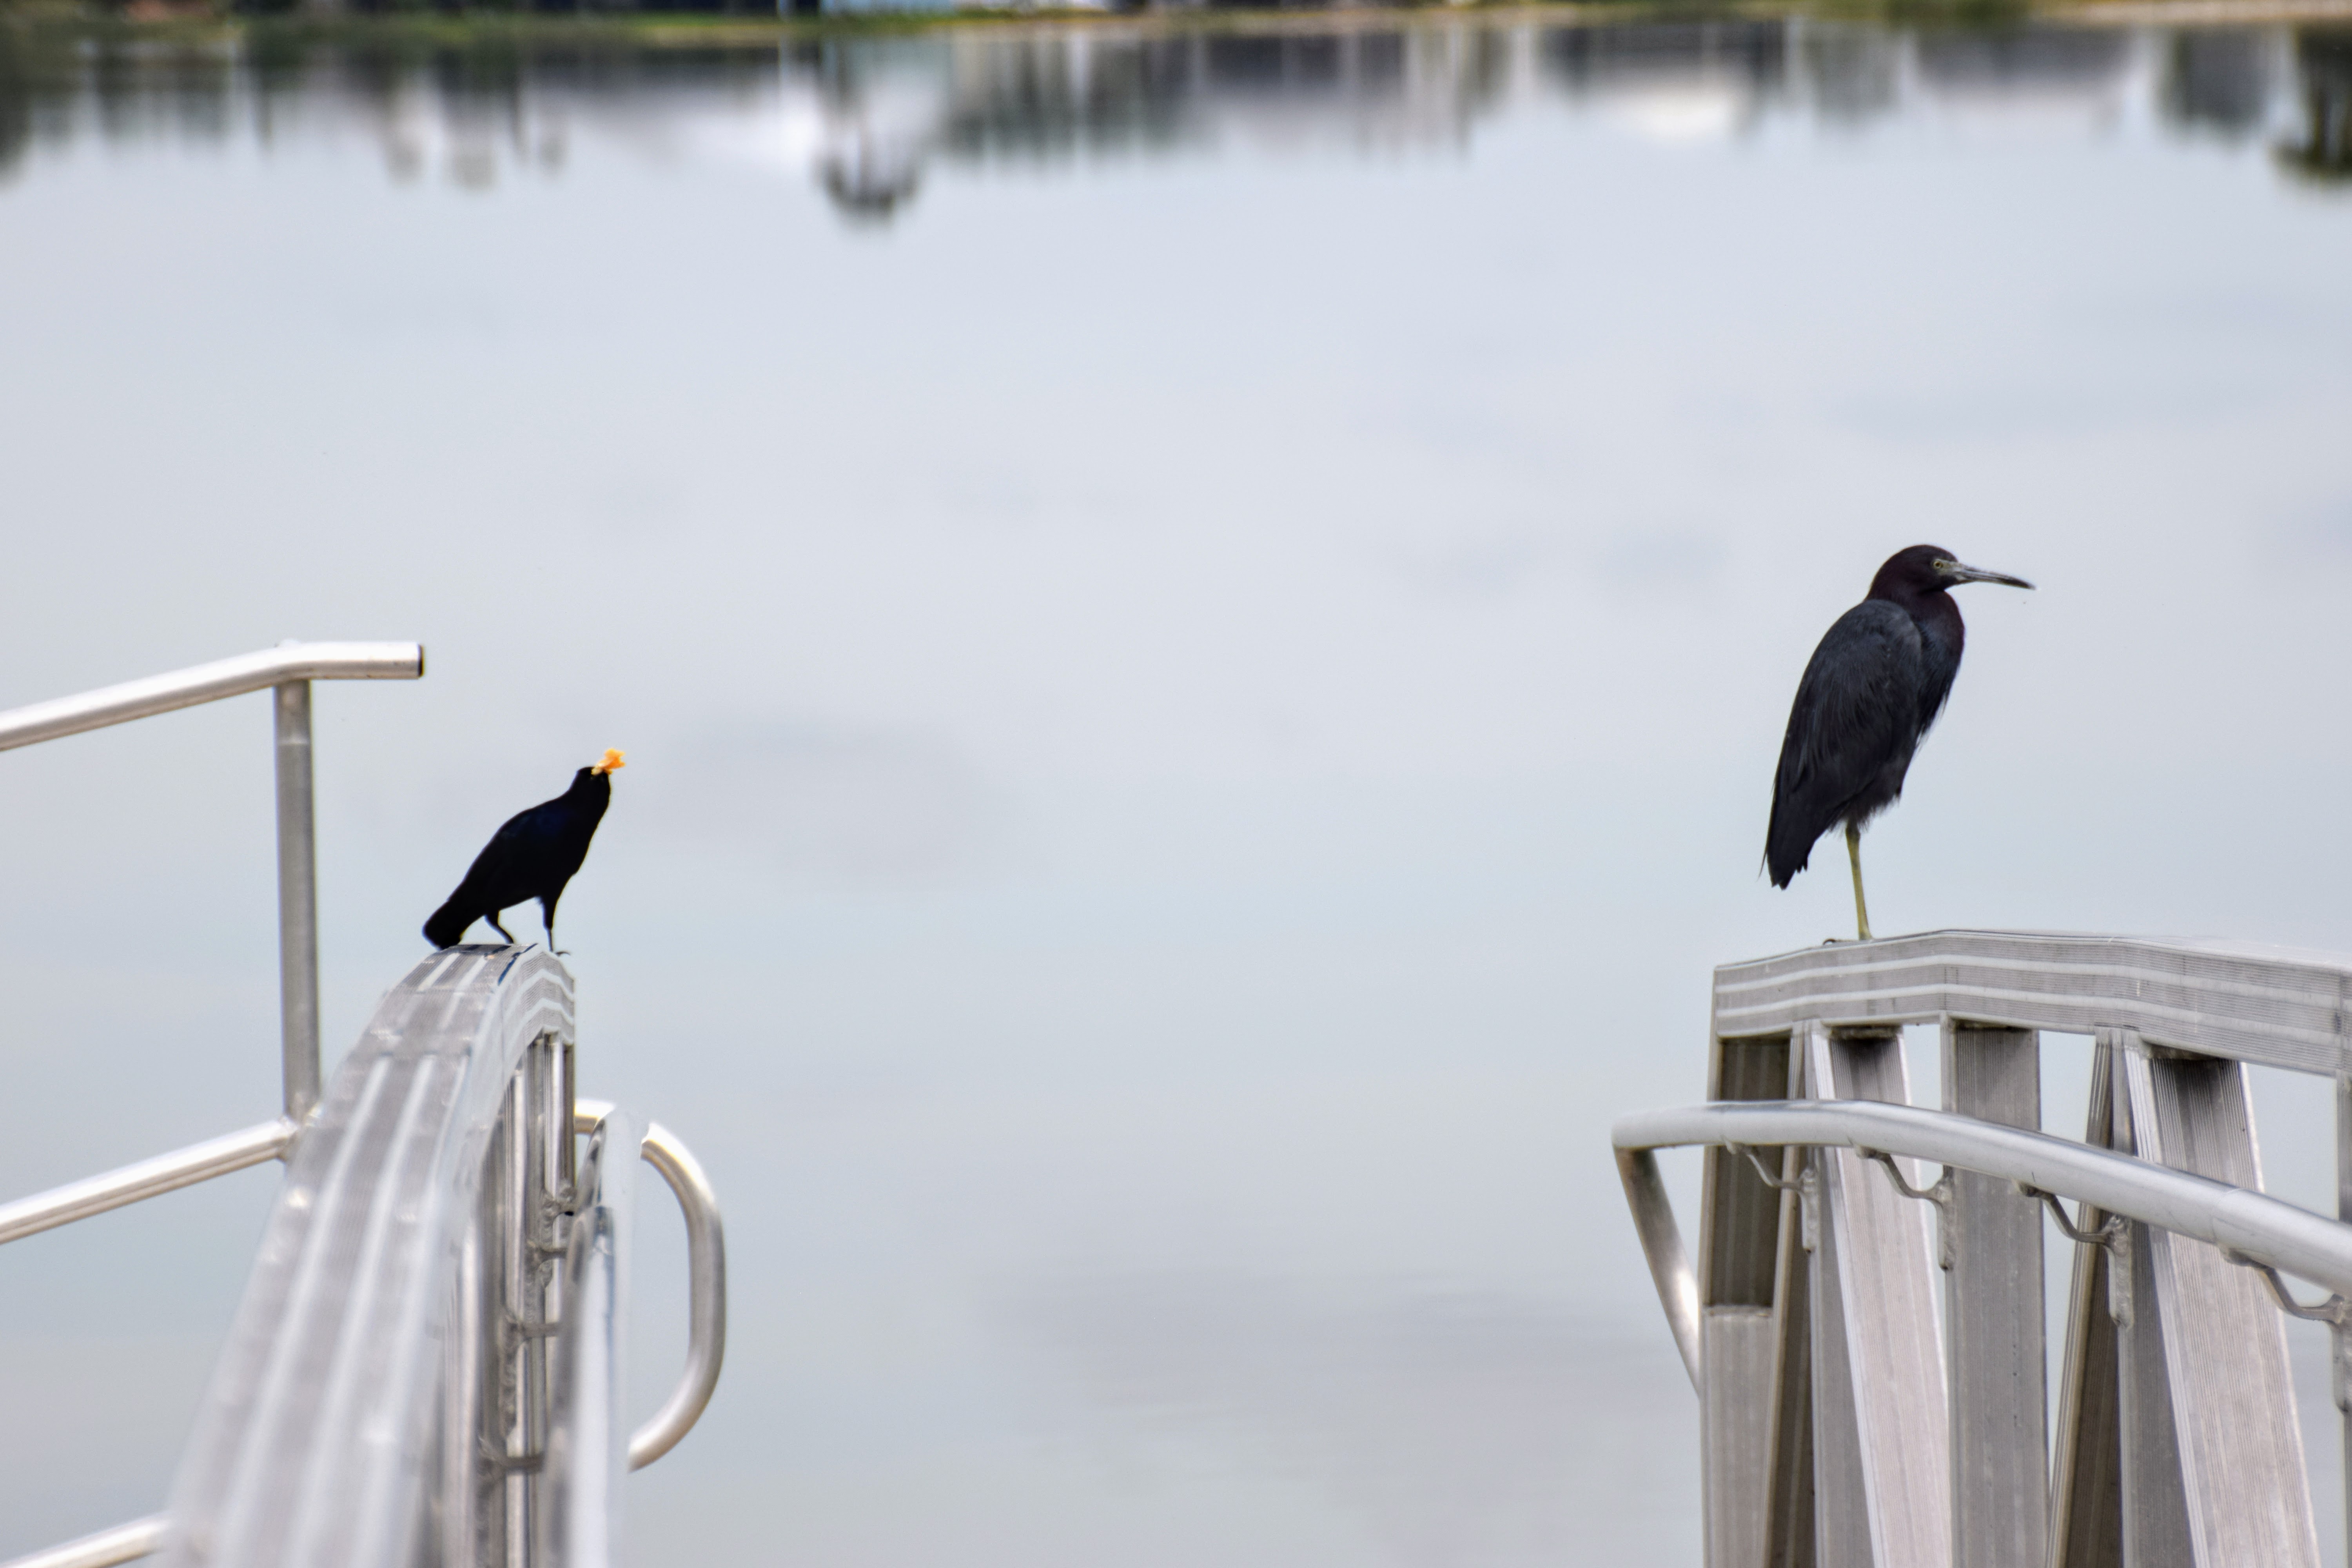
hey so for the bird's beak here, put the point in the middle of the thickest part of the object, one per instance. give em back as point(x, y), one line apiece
point(1960, 573)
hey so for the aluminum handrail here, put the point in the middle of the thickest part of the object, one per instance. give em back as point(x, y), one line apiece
point(287, 671)
point(203, 683)
point(2251, 1225)
point(146, 1179)
point(579, 1478)
point(103, 1549)
point(706, 1265)
point(318, 1441)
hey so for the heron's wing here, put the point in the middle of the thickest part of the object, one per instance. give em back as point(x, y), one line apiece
point(1858, 709)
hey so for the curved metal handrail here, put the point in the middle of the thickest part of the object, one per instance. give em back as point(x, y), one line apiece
point(317, 1437)
point(205, 683)
point(2252, 1224)
point(705, 1266)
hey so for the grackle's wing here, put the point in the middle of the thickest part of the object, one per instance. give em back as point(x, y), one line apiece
point(504, 874)
point(1850, 731)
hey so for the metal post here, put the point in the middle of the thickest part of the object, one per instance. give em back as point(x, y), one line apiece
point(1994, 1362)
point(298, 901)
point(2337, 1380)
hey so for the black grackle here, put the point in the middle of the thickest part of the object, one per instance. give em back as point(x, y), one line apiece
point(532, 857)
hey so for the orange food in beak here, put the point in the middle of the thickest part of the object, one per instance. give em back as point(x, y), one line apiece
point(611, 764)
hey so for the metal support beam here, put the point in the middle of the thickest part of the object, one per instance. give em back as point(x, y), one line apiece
point(2086, 1523)
point(1738, 1251)
point(1791, 1528)
point(2206, 1345)
point(2339, 1344)
point(587, 1454)
point(1882, 1433)
point(1993, 1315)
point(298, 901)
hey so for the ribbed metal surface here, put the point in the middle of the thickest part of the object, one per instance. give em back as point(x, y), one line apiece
point(2275, 1006)
point(317, 1436)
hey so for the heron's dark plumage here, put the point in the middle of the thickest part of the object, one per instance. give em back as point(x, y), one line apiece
point(1874, 686)
point(533, 856)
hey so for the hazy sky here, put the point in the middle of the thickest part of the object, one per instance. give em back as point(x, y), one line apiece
point(1199, 708)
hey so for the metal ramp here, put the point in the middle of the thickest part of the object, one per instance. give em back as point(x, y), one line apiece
point(425, 1369)
point(1843, 1425)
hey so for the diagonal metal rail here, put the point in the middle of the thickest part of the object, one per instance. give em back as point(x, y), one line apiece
point(146, 1179)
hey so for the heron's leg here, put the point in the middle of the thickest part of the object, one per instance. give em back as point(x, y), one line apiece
point(1853, 853)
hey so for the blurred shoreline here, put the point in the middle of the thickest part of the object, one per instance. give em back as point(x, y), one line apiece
point(716, 22)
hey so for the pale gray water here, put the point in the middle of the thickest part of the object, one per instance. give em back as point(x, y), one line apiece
point(1200, 626)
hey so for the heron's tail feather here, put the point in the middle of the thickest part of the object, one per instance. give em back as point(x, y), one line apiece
point(1785, 852)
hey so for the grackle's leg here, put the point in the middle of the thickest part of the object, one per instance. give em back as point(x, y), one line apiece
point(547, 917)
point(493, 918)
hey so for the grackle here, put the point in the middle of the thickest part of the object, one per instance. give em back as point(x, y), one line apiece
point(532, 857)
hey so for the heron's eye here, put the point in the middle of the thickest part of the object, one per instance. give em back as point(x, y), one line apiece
point(1947, 567)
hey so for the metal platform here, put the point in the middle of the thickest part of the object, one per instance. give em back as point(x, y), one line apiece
point(1842, 1423)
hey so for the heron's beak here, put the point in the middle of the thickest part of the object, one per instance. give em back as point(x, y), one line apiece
point(1978, 574)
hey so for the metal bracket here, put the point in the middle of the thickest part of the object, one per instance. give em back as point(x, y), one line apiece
point(2334, 1312)
point(1940, 1195)
point(517, 1329)
point(1806, 1186)
point(2113, 1233)
point(496, 1466)
point(2109, 1235)
point(1777, 1183)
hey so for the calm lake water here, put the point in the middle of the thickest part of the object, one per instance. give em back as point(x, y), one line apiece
point(1201, 619)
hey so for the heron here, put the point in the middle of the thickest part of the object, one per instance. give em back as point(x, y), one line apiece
point(1870, 692)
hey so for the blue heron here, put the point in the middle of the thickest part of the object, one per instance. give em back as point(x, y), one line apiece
point(1874, 686)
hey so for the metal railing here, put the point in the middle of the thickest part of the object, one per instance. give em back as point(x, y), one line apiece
point(287, 671)
point(585, 1454)
point(1843, 1417)
point(425, 1366)
point(2258, 1229)
point(706, 1268)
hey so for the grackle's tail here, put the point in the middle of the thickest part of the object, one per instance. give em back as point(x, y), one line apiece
point(448, 923)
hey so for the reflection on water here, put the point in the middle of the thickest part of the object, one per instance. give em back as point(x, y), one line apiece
point(2323, 70)
point(865, 116)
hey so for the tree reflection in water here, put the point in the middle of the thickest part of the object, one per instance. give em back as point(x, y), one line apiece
point(2322, 59)
point(865, 116)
